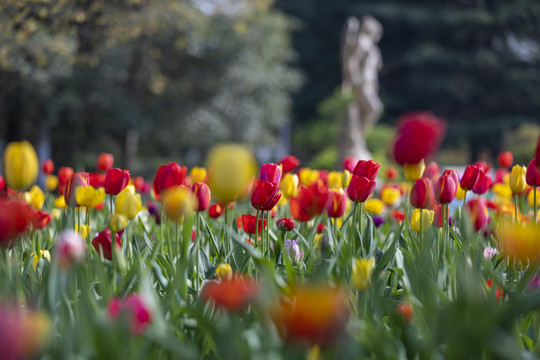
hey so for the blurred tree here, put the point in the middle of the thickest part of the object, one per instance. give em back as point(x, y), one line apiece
point(170, 76)
point(474, 62)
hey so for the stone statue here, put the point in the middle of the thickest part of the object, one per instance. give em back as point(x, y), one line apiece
point(361, 62)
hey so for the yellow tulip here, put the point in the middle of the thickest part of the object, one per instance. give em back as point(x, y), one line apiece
point(289, 185)
point(60, 202)
point(43, 254)
point(335, 180)
point(128, 202)
point(517, 179)
point(347, 176)
point(177, 201)
point(89, 196)
point(21, 165)
point(361, 273)
point(51, 182)
point(520, 242)
point(502, 190)
point(390, 195)
point(317, 239)
point(427, 219)
point(375, 206)
point(85, 230)
point(56, 213)
point(35, 197)
point(414, 171)
point(197, 174)
point(118, 222)
point(460, 193)
point(308, 176)
point(224, 271)
point(530, 198)
point(232, 170)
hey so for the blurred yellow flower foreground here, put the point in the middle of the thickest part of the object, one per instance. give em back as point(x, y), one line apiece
point(521, 242)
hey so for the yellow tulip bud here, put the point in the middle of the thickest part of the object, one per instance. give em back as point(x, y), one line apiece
point(460, 193)
point(308, 176)
point(43, 254)
point(414, 171)
point(51, 182)
point(335, 180)
point(224, 271)
point(530, 198)
point(21, 165)
point(361, 273)
point(427, 219)
point(502, 190)
point(118, 222)
point(289, 185)
point(197, 174)
point(128, 202)
point(347, 176)
point(89, 196)
point(232, 168)
point(317, 239)
point(517, 179)
point(35, 197)
point(85, 230)
point(56, 213)
point(390, 195)
point(375, 206)
point(177, 201)
point(59, 202)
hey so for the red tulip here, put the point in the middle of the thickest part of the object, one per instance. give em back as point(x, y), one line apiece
point(360, 188)
point(505, 159)
point(15, 218)
point(64, 173)
point(533, 174)
point(271, 173)
point(336, 203)
point(422, 193)
point(320, 228)
point(285, 224)
point(323, 176)
point(96, 179)
point(349, 163)
point(202, 193)
point(391, 173)
point(41, 219)
point(103, 242)
point(232, 295)
point(483, 184)
point(446, 187)
point(309, 202)
point(432, 172)
point(367, 168)
point(248, 224)
point(216, 210)
point(105, 161)
point(438, 219)
point(76, 180)
point(398, 215)
point(500, 174)
point(470, 177)
point(168, 176)
point(478, 213)
point(289, 163)
point(418, 135)
point(138, 313)
point(265, 195)
point(47, 167)
point(2, 183)
point(537, 153)
point(116, 181)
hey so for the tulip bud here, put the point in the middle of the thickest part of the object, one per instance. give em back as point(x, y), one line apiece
point(197, 174)
point(533, 174)
point(367, 168)
point(35, 197)
point(427, 219)
point(483, 184)
point(391, 173)
point(446, 187)
point(517, 179)
point(51, 182)
point(309, 202)
point(414, 172)
point(361, 273)
point(349, 163)
point(177, 201)
point(89, 196)
point(76, 180)
point(128, 202)
point(103, 243)
point(168, 176)
point(308, 176)
point(224, 272)
point(248, 224)
point(135, 308)
point(271, 173)
point(45, 254)
point(470, 177)
point(118, 222)
point(285, 224)
point(432, 172)
point(69, 248)
point(294, 252)
point(64, 173)
point(20, 165)
point(505, 159)
point(216, 210)
point(202, 193)
point(335, 180)
point(336, 203)
point(116, 180)
point(478, 211)
point(346, 179)
point(265, 195)
point(374, 206)
point(289, 163)
point(47, 167)
point(105, 161)
point(390, 195)
point(289, 185)
point(360, 188)
point(422, 193)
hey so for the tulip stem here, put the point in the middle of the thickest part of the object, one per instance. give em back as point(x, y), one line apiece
point(360, 226)
point(534, 204)
point(268, 233)
point(464, 199)
point(516, 208)
point(421, 227)
point(257, 230)
point(111, 203)
point(356, 224)
point(226, 238)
